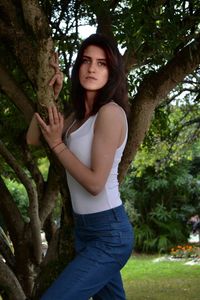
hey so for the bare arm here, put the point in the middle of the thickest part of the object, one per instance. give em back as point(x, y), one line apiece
point(33, 133)
point(109, 132)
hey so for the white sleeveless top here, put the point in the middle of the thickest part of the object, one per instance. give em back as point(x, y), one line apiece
point(80, 143)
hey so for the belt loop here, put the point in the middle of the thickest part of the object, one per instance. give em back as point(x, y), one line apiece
point(115, 214)
point(84, 219)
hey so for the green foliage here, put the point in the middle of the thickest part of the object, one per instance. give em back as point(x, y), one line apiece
point(43, 165)
point(18, 190)
point(162, 188)
point(174, 131)
point(20, 197)
point(151, 33)
point(159, 202)
point(153, 26)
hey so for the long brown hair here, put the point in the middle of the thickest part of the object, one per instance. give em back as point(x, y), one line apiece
point(114, 90)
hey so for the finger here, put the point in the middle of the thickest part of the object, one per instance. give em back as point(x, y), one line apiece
point(54, 56)
point(51, 118)
point(56, 93)
point(61, 117)
point(40, 121)
point(54, 64)
point(56, 116)
point(57, 77)
point(57, 90)
point(53, 80)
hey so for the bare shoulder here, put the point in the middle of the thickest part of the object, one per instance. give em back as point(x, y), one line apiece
point(112, 111)
point(111, 123)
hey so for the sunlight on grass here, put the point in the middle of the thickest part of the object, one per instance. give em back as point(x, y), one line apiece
point(145, 279)
point(166, 280)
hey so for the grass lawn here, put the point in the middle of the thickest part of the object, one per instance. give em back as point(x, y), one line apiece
point(165, 280)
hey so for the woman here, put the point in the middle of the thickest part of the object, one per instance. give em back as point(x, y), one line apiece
point(90, 152)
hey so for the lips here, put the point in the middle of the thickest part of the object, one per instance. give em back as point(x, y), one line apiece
point(91, 78)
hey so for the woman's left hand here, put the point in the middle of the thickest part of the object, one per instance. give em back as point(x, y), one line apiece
point(52, 132)
point(57, 80)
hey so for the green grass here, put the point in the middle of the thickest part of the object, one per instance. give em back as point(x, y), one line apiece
point(166, 280)
point(145, 279)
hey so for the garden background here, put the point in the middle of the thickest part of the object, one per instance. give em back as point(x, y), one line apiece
point(159, 173)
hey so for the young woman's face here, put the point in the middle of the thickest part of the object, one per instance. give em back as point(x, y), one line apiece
point(93, 72)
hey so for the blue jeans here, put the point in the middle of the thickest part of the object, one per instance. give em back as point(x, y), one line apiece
point(103, 242)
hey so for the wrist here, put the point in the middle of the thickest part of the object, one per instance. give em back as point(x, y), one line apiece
point(56, 144)
point(58, 148)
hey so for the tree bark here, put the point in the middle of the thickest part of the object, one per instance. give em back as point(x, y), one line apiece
point(8, 279)
point(27, 44)
point(151, 93)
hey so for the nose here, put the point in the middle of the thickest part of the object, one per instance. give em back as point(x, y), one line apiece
point(92, 67)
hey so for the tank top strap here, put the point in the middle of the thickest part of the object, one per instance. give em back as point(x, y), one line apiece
point(67, 131)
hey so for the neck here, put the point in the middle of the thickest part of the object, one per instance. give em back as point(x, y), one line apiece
point(89, 102)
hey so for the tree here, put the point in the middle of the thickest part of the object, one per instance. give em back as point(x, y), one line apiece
point(160, 44)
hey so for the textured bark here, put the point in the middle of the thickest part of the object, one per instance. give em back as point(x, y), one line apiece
point(26, 35)
point(20, 238)
point(37, 21)
point(33, 198)
point(45, 93)
point(14, 221)
point(15, 93)
point(10, 283)
point(50, 195)
point(151, 93)
point(32, 48)
point(6, 251)
point(104, 19)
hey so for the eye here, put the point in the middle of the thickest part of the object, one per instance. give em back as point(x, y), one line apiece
point(102, 64)
point(85, 61)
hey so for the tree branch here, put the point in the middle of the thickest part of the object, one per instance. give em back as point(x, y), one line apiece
point(104, 20)
point(10, 283)
point(32, 166)
point(10, 87)
point(15, 39)
point(50, 195)
point(174, 72)
point(33, 200)
point(191, 122)
point(35, 19)
point(6, 251)
point(153, 91)
point(14, 221)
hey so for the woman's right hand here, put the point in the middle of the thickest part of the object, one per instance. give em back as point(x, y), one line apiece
point(57, 80)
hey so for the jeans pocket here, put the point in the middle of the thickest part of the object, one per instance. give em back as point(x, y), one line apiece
point(117, 245)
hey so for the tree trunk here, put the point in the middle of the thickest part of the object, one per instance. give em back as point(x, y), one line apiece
point(26, 48)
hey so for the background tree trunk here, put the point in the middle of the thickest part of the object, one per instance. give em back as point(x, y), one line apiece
point(29, 31)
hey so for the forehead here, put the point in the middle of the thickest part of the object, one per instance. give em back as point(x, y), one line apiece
point(94, 52)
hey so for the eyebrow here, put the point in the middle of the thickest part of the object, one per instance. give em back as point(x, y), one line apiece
point(99, 59)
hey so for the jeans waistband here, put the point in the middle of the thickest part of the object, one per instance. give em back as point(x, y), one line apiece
point(112, 215)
